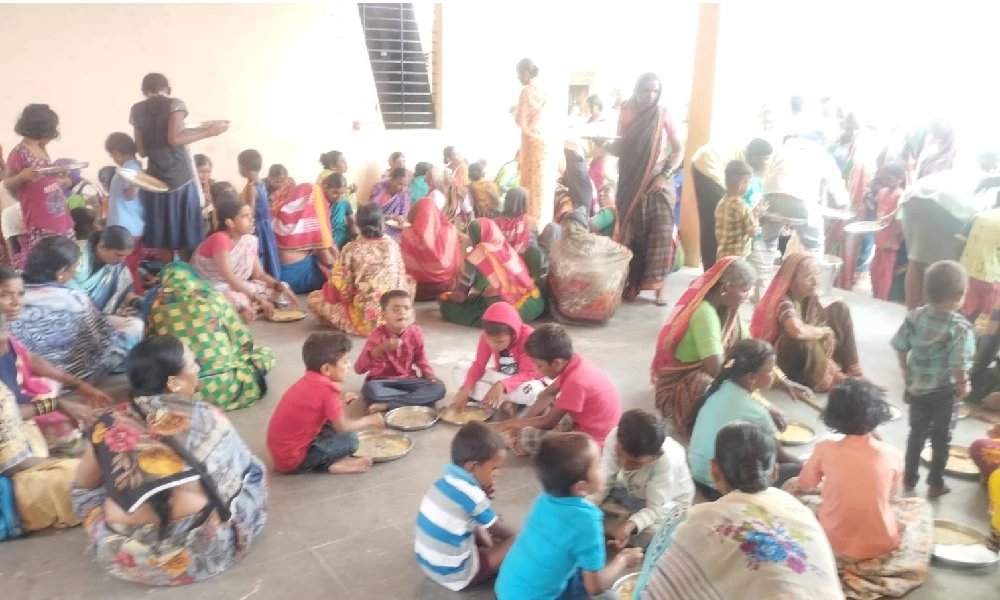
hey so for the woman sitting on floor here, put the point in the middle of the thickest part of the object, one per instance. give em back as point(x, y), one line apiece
point(701, 329)
point(367, 268)
point(735, 396)
point(302, 234)
point(605, 220)
point(815, 344)
point(228, 261)
point(342, 224)
point(169, 493)
point(61, 324)
point(514, 221)
point(882, 543)
point(232, 368)
point(493, 272)
point(432, 250)
point(102, 271)
point(986, 454)
point(587, 273)
point(756, 542)
point(393, 197)
point(484, 193)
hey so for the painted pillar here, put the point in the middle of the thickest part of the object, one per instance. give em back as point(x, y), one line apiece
point(699, 123)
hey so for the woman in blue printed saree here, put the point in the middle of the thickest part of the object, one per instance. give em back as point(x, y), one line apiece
point(102, 271)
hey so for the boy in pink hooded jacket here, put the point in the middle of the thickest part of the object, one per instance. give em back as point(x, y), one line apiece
point(513, 382)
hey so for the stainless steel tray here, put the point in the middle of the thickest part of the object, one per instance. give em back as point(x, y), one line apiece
point(975, 556)
point(395, 414)
point(376, 434)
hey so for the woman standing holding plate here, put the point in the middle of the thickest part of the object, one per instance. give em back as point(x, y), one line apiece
point(173, 217)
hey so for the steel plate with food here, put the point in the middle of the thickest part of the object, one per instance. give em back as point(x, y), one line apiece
point(287, 315)
point(959, 464)
point(411, 418)
point(383, 446)
point(961, 546)
point(472, 412)
point(865, 227)
point(796, 434)
point(624, 588)
point(200, 124)
point(66, 168)
point(142, 180)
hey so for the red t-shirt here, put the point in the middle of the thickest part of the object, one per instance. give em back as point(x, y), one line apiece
point(214, 243)
point(43, 202)
point(309, 404)
point(590, 398)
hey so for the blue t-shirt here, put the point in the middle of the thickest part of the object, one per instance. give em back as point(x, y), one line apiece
point(561, 535)
point(122, 211)
point(731, 403)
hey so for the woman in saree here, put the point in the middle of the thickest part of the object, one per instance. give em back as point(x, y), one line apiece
point(701, 329)
point(393, 198)
point(509, 175)
point(232, 368)
point(458, 205)
point(203, 167)
point(755, 543)
point(514, 221)
point(533, 160)
point(986, 454)
point(493, 272)
point(985, 373)
point(938, 149)
point(815, 344)
point(420, 183)
point(61, 324)
point(432, 250)
point(168, 492)
point(335, 162)
point(889, 261)
point(649, 152)
point(102, 272)
point(586, 273)
point(605, 220)
point(228, 261)
point(366, 268)
point(484, 193)
point(853, 159)
point(278, 184)
point(342, 225)
point(302, 234)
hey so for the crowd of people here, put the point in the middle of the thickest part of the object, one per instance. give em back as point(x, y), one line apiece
point(162, 285)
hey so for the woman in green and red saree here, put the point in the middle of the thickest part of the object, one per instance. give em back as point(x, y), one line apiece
point(649, 152)
point(853, 159)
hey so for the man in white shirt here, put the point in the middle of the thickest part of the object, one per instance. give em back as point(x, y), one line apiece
point(646, 473)
point(802, 178)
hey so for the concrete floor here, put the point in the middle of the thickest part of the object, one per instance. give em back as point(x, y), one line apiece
point(352, 535)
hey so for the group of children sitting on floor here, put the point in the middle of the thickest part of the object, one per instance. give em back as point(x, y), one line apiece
point(589, 456)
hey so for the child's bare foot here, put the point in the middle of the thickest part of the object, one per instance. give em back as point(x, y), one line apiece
point(378, 407)
point(351, 464)
point(937, 491)
point(513, 444)
point(508, 409)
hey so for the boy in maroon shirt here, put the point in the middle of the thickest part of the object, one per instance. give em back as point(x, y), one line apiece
point(582, 398)
point(308, 430)
point(391, 357)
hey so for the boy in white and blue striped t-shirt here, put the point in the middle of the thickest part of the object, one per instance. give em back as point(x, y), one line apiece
point(460, 541)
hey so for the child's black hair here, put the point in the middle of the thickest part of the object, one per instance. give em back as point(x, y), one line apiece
point(746, 455)
point(641, 433)
point(154, 83)
point(855, 407)
point(398, 173)
point(563, 459)
point(475, 171)
point(896, 169)
point(84, 221)
point(759, 147)
point(120, 142)
point(945, 280)
point(370, 221)
point(329, 159)
point(745, 357)
point(476, 442)
point(395, 156)
point(335, 181)
point(7, 274)
point(422, 168)
point(251, 160)
point(449, 151)
point(277, 170)
point(37, 122)
point(595, 101)
point(114, 237)
point(737, 171)
point(324, 347)
point(494, 328)
point(549, 342)
point(105, 175)
point(392, 295)
point(227, 205)
point(222, 189)
point(202, 160)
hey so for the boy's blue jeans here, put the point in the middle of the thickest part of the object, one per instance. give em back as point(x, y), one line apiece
point(577, 591)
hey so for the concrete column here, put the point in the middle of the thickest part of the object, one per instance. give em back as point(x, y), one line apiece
point(699, 123)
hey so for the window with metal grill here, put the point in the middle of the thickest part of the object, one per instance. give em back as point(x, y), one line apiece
point(401, 44)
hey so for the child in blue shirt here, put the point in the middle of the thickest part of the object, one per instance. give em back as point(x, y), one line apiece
point(560, 553)
point(124, 207)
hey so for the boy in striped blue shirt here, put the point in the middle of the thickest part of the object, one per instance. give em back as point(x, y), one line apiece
point(460, 541)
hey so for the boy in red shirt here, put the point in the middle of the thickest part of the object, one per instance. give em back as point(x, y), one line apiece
point(308, 430)
point(585, 399)
point(513, 382)
point(391, 357)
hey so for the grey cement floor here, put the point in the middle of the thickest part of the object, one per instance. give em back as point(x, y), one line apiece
point(351, 536)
